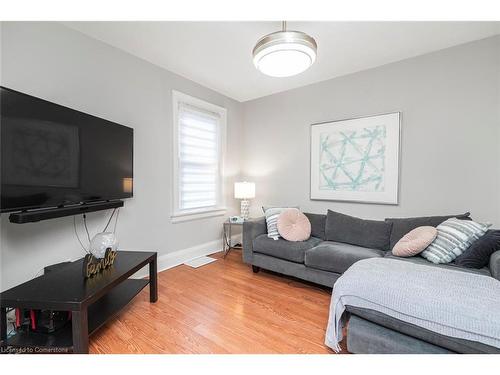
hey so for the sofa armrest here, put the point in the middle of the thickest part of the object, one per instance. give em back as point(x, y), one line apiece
point(495, 264)
point(251, 229)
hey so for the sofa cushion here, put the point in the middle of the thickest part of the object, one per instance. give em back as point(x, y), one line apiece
point(355, 231)
point(338, 257)
point(272, 215)
point(367, 337)
point(454, 237)
point(317, 225)
point(292, 251)
point(451, 343)
point(401, 226)
point(419, 260)
point(415, 241)
point(293, 225)
point(478, 254)
point(494, 265)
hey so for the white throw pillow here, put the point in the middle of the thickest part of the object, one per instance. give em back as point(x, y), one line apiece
point(272, 214)
point(453, 238)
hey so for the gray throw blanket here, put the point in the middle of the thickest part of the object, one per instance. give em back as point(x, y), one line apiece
point(450, 302)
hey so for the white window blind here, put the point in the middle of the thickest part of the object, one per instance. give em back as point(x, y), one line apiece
point(199, 158)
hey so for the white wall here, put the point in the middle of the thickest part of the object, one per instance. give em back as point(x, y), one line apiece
point(450, 133)
point(51, 61)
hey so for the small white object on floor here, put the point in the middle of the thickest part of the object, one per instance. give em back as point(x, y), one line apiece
point(198, 262)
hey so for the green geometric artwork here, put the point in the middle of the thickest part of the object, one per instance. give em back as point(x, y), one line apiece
point(353, 160)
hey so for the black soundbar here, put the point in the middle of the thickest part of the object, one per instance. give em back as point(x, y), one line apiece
point(52, 213)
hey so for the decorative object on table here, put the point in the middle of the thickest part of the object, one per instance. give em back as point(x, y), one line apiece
point(415, 241)
point(236, 219)
point(356, 160)
point(101, 242)
point(244, 191)
point(453, 238)
point(272, 214)
point(92, 265)
point(478, 254)
point(293, 225)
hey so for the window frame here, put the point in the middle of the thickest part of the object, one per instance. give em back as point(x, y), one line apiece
point(219, 209)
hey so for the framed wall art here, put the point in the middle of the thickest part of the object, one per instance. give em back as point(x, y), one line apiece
point(356, 160)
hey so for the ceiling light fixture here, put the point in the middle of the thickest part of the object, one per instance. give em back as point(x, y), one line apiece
point(284, 53)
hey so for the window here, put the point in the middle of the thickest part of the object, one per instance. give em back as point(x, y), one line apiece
point(199, 138)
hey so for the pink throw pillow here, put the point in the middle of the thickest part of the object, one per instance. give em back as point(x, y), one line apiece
point(415, 241)
point(293, 225)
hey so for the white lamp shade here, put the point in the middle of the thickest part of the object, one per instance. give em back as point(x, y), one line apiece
point(244, 190)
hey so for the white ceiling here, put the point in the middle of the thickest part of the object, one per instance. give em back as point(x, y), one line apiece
point(218, 54)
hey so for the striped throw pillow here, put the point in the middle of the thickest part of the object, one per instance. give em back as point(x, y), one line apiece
point(453, 238)
point(272, 214)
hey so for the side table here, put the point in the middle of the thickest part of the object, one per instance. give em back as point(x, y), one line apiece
point(227, 241)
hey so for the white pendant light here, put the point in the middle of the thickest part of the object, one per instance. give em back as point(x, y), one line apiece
point(284, 53)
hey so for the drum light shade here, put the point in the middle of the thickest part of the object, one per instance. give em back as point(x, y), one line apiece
point(284, 53)
point(244, 190)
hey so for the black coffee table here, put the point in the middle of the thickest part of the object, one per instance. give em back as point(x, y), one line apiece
point(92, 302)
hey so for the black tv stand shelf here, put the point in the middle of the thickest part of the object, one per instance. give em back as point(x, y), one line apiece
point(92, 302)
point(52, 213)
point(98, 314)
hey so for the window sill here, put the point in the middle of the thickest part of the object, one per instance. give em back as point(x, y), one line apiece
point(179, 217)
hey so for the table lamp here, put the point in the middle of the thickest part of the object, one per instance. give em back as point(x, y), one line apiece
point(244, 191)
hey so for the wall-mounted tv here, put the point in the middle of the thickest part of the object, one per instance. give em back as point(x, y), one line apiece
point(54, 156)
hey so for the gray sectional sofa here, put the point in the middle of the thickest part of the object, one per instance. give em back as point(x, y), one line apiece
point(321, 261)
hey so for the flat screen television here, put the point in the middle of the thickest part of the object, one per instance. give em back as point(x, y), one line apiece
point(54, 156)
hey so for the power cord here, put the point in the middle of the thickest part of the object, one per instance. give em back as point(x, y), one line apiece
point(78, 237)
point(116, 220)
point(86, 228)
point(109, 221)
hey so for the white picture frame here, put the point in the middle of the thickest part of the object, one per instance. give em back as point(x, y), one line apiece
point(356, 160)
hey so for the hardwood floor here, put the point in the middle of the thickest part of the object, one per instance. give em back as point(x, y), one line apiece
point(222, 307)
